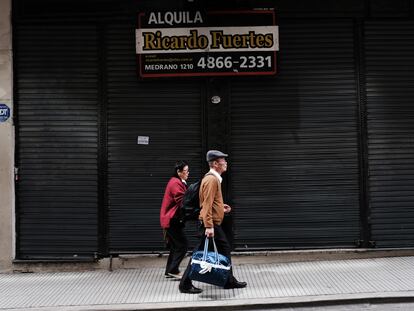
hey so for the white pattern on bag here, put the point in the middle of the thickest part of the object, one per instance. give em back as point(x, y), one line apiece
point(206, 266)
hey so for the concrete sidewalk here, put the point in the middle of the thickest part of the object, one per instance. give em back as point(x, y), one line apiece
point(269, 284)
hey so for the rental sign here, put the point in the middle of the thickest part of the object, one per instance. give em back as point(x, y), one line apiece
point(212, 43)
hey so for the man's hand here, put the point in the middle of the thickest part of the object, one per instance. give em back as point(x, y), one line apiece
point(209, 232)
point(227, 208)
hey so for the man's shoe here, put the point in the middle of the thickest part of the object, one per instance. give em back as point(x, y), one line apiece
point(235, 284)
point(190, 290)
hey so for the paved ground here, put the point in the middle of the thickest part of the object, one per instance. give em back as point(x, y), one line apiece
point(403, 306)
point(272, 284)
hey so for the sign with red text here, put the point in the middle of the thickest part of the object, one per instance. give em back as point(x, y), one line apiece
point(212, 43)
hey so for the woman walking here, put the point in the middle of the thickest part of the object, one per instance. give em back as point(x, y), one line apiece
point(174, 229)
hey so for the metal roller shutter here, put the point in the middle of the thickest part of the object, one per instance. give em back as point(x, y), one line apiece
point(57, 94)
point(294, 151)
point(166, 111)
point(390, 121)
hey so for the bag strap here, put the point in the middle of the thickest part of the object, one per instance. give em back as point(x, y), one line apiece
point(205, 249)
point(215, 248)
point(206, 242)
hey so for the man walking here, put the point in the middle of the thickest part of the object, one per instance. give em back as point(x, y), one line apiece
point(211, 217)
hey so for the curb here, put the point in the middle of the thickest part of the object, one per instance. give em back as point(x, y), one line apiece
point(244, 304)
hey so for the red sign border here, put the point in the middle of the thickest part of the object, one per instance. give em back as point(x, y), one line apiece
point(210, 74)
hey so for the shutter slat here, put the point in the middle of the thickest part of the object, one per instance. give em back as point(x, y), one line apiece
point(294, 158)
point(390, 115)
point(57, 96)
point(169, 113)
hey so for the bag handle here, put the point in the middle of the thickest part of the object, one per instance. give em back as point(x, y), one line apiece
point(206, 250)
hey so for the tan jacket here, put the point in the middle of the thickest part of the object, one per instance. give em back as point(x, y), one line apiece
point(211, 202)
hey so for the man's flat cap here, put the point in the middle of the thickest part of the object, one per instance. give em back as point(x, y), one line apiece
point(215, 154)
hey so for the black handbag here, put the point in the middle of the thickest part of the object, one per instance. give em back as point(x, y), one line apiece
point(210, 267)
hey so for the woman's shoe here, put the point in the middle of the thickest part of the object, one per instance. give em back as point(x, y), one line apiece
point(177, 276)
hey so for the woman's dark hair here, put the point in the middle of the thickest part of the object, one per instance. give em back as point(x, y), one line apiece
point(179, 166)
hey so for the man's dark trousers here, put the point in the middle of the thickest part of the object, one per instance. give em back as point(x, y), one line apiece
point(223, 247)
point(177, 243)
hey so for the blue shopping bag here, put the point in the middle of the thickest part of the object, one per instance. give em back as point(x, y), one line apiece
point(210, 267)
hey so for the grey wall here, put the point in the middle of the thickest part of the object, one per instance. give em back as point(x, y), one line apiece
point(6, 141)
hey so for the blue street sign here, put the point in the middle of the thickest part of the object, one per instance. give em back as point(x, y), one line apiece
point(4, 112)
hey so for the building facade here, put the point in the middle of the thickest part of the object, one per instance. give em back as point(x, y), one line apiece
point(321, 152)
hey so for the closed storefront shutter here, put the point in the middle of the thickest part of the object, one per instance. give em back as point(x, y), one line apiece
point(294, 150)
point(56, 76)
point(390, 120)
point(96, 144)
point(165, 112)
